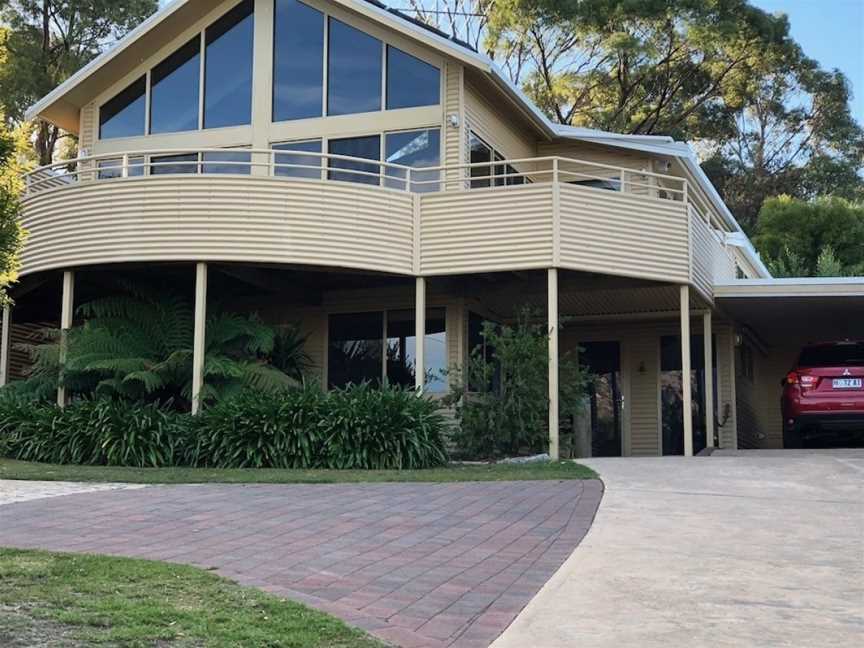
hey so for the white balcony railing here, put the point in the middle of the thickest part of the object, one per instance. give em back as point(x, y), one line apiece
point(303, 165)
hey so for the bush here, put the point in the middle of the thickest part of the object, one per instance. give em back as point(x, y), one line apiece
point(91, 432)
point(358, 427)
point(502, 403)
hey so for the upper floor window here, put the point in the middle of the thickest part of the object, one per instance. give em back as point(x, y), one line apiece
point(354, 71)
point(228, 68)
point(298, 61)
point(356, 147)
point(298, 164)
point(124, 115)
point(410, 81)
point(174, 87)
point(417, 149)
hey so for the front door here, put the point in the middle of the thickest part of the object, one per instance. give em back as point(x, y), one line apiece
point(604, 396)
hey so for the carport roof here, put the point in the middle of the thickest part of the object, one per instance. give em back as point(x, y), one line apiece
point(796, 311)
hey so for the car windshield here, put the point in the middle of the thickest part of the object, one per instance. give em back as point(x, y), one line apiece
point(840, 355)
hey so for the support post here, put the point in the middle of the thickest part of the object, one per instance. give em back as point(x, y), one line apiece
point(687, 388)
point(199, 336)
point(420, 336)
point(708, 334)
point(5, 338)
point(67, 310)
point(552, 311)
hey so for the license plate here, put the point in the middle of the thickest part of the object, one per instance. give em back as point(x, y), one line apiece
point(846, 383)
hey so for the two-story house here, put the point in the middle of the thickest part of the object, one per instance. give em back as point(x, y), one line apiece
point(336, 164)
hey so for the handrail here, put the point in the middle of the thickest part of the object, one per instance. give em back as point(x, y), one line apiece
point(310, 165)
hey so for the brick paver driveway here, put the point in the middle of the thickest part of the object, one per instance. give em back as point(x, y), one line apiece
point(415, 564)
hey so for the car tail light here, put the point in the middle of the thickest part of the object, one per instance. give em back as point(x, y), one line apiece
point(808, 381)
point(792, 378)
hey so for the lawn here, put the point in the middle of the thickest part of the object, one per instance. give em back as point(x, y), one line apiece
point(70, 600)
point(10, 469)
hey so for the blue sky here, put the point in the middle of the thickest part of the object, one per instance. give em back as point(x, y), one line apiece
point(830, 31)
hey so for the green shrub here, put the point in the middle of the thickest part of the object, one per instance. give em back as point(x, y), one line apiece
point(91, 432)
point(502, 397)
point(381, 428)
point(357, 427)
point(260, 430)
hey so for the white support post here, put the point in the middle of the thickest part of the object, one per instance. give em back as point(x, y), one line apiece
point(67, 310)
point(199, 336)
point(420, 333)
point(553, 364)
point(708, 333)
point(5, 338)
point(687, 387)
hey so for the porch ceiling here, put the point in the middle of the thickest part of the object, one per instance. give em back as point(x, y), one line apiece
point(796, 311)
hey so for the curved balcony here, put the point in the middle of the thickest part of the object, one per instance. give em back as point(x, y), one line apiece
point(266, 206)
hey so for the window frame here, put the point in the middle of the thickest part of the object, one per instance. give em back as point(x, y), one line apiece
point(384, 337)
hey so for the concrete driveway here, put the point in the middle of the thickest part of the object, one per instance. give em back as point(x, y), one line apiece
point(761, 548)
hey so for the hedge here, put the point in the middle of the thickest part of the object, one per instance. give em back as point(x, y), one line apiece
point(358, 427)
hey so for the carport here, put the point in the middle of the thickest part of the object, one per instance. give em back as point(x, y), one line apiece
point(774, 318)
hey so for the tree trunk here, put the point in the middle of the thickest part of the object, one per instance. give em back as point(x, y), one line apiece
point(46, 142)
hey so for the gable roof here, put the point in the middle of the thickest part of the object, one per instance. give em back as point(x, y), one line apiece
point(58, 104)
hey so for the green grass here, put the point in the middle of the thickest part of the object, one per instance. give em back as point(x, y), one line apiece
point(10, 469)
point(64, 600)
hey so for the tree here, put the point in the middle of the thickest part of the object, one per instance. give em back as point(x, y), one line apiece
point(11, 233)
point(48, 40)
point(138, 346)
point(823, 237)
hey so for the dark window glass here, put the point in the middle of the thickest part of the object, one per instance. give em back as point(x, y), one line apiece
point(415, 149)
point(354, 77)
point(124, 115)
point(224, 162)
point(402, 349)
point(359, 147)
point(482, 350)
point(228, 68)
point(410, 81)
point(355, 349)
point(110, 169)
point(597, 183)
point(174, 90)
point(840, 355)
point(298, 61)
point(296, 163)
point(481, 153)
point(113, 168)
point(174, 164)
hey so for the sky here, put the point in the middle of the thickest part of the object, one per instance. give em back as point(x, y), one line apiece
point(830, 31)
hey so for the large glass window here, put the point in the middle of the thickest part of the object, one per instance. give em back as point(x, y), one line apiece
point(124, 115)
point(354, 76)
point(415, 149)
point(235, 162)
point(299, 166)
point(228, 68)
point(298, 61)
point(410, 81)
point(174, 90)
point(481, 153)
point(174, 164)
point(402, 349)
point(355, 353)
point(358, 147)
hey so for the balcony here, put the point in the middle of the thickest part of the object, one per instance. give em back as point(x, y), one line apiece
point(267, 206)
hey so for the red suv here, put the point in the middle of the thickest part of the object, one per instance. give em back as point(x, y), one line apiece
point(823, 396)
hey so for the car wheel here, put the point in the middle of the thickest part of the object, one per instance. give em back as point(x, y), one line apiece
point(793, 439)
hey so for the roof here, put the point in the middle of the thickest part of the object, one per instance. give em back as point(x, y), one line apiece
point(56, 100)
point(803, 287)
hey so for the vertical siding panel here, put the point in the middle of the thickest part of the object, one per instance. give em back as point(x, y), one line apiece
point(454, 139)
point(725, 386)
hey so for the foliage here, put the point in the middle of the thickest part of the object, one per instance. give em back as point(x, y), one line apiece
point(79, 600)
point(823, 237)
point(138, 346)
point(91, 432)
point(11, 233)
point(502, 400)
point(358, 427)
point(49, 40)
